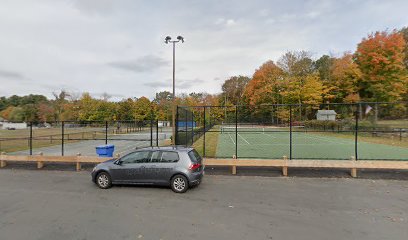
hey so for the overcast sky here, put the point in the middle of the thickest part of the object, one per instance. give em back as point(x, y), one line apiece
point(116, 46)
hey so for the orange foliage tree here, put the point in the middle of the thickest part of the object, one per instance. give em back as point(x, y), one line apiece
point(266, 84)
point(380, 58)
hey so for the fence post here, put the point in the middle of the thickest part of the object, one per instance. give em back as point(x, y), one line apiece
point(356, 136)
point(31, 138)
point(290, 132)
point(106, 132)
point(205, 129)
point(186, 128)
point(176, 126)
point(236, 131)
point(192, 127)
point(157, 132)
point(151, 128)
point(62, 139)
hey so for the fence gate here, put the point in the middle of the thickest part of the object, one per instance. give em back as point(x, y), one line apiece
point(184, 127)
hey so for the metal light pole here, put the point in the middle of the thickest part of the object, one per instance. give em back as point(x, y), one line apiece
point(168, 40)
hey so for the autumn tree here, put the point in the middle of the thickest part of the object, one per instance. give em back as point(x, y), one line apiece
point(345, 76)
point(45, 112)
point(323, 65)
point(125, 110)
point(380, 58)
point(142, 109)
point(404, 32)
point(296, 63)
point(233, 89)
point(58, 103)
point(266, 84)
point(164, 101)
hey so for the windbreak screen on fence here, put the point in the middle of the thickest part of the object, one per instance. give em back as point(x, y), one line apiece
point(372, 131)
point(73, 137)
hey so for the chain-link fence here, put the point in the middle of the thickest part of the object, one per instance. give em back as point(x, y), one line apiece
point(370, 130)
point(73, 137)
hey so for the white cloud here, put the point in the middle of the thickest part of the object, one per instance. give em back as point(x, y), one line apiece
point(117, 46)
point(225, 22)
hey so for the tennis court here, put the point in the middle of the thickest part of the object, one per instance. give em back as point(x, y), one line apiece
point(275, 143)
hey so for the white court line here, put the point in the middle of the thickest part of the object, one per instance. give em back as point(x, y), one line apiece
point(231, 138)
point(269, 135)
point(244, 139)
point(339, 141)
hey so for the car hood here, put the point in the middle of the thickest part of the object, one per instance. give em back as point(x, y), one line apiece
point(110, 160)
point(106, 163)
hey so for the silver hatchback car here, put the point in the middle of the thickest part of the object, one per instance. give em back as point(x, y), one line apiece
point(178, 167)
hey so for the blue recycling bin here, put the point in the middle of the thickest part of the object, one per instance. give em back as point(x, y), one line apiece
point(105, 150)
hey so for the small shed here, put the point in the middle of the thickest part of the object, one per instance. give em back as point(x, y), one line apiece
point(326, 115)
point(164, 124)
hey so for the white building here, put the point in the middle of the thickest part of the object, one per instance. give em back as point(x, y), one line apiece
point(10, 125)
point(326, 115)
point(164, 124)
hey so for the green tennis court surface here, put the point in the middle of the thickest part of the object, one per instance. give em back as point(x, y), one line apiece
point(264, 144)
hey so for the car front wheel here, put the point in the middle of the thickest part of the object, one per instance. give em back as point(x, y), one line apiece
point(103, 180)
point(179, 184)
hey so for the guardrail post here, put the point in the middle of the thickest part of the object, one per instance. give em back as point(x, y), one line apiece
point(40, 164)
point(3, 163)
point(78, 164)
point(285, 166)
point(353, 172)
point(234, 167)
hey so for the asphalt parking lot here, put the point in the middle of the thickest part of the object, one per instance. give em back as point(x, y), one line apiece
point(49, 204)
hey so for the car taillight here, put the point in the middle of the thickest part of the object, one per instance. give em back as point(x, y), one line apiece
point(194, 166)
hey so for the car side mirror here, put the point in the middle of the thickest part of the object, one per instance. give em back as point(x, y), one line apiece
point(118, 162)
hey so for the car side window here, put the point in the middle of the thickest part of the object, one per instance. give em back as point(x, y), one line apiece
point(137, 157)
point(169, 157)
point(156, 156)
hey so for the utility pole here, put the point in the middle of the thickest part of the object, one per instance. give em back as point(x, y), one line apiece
point(168, 40)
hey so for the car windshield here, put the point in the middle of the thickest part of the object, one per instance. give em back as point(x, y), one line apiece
point(194, 156)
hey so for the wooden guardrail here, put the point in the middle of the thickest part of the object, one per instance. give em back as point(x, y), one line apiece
point(283, 163)
point(40, 159)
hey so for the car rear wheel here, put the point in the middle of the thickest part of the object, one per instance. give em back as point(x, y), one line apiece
point(103, 180)
point(179, 184)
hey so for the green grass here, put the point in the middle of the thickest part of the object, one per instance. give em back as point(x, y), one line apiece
point(211, 142)
point(393, 123)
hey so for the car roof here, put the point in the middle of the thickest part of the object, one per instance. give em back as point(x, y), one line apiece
point(168, 148)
